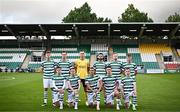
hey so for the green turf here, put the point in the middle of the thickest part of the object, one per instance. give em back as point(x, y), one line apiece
point(25, 93)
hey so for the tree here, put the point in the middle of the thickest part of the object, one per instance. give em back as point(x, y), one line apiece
point(173, 18)
point(83, 14)
point(132, 14)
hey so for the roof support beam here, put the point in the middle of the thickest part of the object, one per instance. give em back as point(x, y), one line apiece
point(173, 32)
point(76, 30)
point(10, 30)
point(48, 41)
point(142, 31)
point(44, 31)
point(109, 34)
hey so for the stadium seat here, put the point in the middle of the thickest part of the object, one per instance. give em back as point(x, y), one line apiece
point(154, 48)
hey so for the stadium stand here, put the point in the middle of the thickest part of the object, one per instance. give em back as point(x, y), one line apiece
point(154, 48)
point(12, 58)
point(172, 65)
point(73, 52)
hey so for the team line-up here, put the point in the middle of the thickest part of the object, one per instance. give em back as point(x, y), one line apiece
point(114, 79)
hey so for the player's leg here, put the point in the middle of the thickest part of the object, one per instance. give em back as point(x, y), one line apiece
point(134, 98)
point(103, 89)
point(61, 97)
point(120, 89)
point(56, 99)
point(117, 95)
point(98, 101)
point(90, 99)
point(126, 100)
point(134, 77)
point(110, 100)
point(52, 92)
point(76, 99)
point(70, 99)
point(45, 85)
point(85, 89)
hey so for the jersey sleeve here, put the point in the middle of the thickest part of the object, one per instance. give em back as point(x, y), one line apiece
point(42, 64)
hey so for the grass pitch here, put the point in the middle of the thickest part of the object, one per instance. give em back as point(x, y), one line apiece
point(24, 92)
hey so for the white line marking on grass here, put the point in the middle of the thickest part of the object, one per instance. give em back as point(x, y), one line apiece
point(5, 78)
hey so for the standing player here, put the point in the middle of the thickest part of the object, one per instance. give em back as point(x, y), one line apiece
point(100, 67)
point(131, 66)
point(82, 67)
point(59, 82)
point(48, 67)
point(65, 65)
point(73, 82)
point(116, 69)
point(93, 87)
point(110, 84)
point(129, 88)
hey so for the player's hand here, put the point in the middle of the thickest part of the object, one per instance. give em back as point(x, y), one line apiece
point(61, 91)
point(95, 91)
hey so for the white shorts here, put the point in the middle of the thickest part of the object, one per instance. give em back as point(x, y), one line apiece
point(57, 96)
point(47, 83)
point(71, 96)
point(127, 96)
point(110, 98)
point(91, 97)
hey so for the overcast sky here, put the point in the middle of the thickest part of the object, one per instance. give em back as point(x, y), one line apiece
point(52, 11)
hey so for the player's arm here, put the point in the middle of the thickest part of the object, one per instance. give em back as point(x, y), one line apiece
point(135, 91)
point(54, 86)
point(79, 84)
point(62, 90)
point(64, 84)
point(100, 84)
point(87, 85)
point(42, 67)
point(69, 86)
point(135, 70)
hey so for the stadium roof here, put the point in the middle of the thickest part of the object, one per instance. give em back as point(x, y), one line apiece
point(91, 29)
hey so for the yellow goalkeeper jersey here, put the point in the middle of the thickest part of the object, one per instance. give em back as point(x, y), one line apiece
point(82, 68)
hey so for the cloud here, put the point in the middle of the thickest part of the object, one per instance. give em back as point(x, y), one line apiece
point(52, 11)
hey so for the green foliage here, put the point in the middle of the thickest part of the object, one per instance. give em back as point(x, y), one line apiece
point(83, 14)
point(173, 18)
point(132, 14)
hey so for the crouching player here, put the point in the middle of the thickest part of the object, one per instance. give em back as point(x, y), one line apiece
point(129, 89)
point(73, 82)
point(58, 87)
point(110, 84)
point(93, 88)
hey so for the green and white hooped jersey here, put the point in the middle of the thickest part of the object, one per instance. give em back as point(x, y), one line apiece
point(100, 68)
point(59, 81)
point(73, 82)
point(93, 81)
point(132, 67)
point(48, 69)
point(128, 84)
point(109, 84)
point(116, 69)
point(65, 67)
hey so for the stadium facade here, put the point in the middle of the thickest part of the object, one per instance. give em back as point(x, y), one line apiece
point(155, 47)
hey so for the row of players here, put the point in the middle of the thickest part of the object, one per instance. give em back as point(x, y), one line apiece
point(105, 77)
